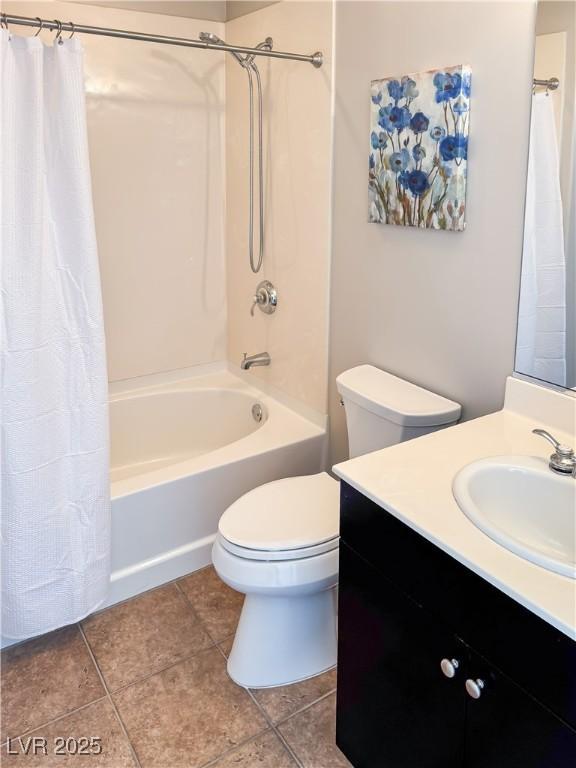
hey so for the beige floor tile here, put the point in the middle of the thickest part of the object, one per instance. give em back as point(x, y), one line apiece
point(45, 678)
point(97, 720)
point(265, 751)
point(188, 714)
point(312, 736)
point(142, 635)
point(226, 645)
point(217, 605)
point(279, 703)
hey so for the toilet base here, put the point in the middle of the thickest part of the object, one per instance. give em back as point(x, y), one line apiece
point(284, 639)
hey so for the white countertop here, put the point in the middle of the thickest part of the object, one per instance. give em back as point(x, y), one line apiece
point(413, 481)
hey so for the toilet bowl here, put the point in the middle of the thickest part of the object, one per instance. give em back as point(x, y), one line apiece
point(278, 544)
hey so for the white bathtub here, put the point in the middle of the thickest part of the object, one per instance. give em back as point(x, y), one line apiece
point(181, 452)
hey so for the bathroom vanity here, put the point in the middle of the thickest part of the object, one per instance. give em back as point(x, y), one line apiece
point(453, 651)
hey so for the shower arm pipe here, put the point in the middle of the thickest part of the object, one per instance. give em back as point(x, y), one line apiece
point(316, 59)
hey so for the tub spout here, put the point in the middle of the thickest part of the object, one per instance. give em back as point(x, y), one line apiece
point(248, 361)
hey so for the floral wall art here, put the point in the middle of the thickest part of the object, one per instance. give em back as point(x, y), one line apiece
point(419, 149)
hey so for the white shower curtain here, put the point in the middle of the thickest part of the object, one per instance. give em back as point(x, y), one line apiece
point(541, 346)
point(55, 492)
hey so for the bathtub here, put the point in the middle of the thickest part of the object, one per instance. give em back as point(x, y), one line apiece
point(183, 448)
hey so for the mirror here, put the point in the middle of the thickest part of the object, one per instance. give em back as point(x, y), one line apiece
point(546, 339)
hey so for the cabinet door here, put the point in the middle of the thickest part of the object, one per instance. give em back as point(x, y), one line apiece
point(395, 707)
point(507, 728)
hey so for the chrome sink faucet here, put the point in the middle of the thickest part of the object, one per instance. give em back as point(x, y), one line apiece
point(563, 460)
point(249, 361)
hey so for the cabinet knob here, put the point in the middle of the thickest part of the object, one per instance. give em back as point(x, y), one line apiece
point(449, 667)
point(474, 688)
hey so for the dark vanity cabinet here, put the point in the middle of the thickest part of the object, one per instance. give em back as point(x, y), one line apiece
point(405, 610)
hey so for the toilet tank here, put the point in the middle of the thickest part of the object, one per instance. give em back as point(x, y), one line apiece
point(382, 409)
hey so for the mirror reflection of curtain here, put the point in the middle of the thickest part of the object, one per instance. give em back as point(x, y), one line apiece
point(541, 348)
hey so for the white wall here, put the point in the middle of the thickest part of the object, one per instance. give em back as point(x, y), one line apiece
point(437, 308)
point(297, 120)
point(155, 122)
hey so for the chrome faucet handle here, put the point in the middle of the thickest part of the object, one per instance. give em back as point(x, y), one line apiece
point(259, 298)
point(562, 449)
point(563, 460)
point(266, 297)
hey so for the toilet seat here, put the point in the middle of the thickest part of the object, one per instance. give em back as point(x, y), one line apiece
point(279, 554)
point(289, 519)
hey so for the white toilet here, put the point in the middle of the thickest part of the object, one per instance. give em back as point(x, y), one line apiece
point(278, 544)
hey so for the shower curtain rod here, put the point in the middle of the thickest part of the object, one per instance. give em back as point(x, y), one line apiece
point(315, 59)
point(551, 83)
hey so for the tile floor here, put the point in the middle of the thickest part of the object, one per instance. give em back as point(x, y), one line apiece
point(148, 677)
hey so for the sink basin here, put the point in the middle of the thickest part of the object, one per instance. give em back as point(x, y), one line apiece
point(522, 505)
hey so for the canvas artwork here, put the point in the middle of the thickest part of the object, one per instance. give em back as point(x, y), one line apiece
point(419, 149)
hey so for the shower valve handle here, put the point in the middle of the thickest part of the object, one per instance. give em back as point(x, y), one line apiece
point(266, 297)
point(260, 298)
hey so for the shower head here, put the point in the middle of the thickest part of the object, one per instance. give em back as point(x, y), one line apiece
point(211, 37)
point(265, 44)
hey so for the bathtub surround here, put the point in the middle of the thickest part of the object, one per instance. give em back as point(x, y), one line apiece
point(438, 309)
point(297, 146)
point(170, 126)
point(155, 115)
point(156, 135)
point(55, 459)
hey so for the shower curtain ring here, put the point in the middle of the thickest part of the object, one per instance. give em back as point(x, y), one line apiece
point(71, 35)
point(4, 25)
point(41, 27)
point(58, 38)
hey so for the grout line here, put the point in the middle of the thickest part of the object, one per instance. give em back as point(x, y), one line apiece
point(271, 725)
point(280, 736)
point(291, 751)
point(110, 699)
point(224, 639)
point(53, 720)
point(191, 606)
point(274, 726)
point(305, 707)
point(260, 707)
point(171, 664)
point(122, 688)
point(222, 652)
point(173, 581)
point(215, 760)
point(269, 720)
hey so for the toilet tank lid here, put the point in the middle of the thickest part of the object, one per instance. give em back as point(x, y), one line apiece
point(395, 399)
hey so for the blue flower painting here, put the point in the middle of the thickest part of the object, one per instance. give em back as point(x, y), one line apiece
point(419, 149)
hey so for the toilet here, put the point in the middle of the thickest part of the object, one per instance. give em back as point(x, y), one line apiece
point(278, 544)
